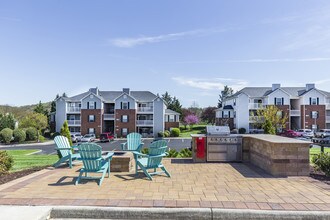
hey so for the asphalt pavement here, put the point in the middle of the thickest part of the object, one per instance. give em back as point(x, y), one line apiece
point(48, 148)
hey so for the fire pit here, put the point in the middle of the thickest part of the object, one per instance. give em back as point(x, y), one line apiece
point(122, 162)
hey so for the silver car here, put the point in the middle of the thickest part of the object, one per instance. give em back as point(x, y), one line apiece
point(323, 133)
point(307, 133)
point(76, 137)
point(88, 138)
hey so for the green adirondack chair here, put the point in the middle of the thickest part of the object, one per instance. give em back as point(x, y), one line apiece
point(133, 144)
point(91, 155)
point(157, 150)
point(64, 148)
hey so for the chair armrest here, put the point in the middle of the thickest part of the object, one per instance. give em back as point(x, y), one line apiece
point(108, 156)
point(155, 156)
point(166, 153)
point(123, 146)
point(140, 147)
point(63, 148)
point(140, 154)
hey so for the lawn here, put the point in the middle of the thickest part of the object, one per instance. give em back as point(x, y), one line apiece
point(196, 129)
point(22, 159)
point(314, 151)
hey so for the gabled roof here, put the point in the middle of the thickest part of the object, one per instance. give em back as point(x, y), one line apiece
point(228, 107)
point(171, 112)
point(143, 96)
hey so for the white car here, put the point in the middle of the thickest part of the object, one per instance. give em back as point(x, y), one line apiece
point(307, 133)
point(323, 133)
point(76, 137)
point(88, 138)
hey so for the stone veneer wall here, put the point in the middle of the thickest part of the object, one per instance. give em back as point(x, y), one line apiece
point(122, 163)
point(277, 155)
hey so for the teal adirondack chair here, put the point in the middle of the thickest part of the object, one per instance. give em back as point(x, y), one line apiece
point(157, 150)
point(64, 148)
point(91, 155)
point(133, 144)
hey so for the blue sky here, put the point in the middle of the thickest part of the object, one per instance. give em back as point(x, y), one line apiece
point(189, 48)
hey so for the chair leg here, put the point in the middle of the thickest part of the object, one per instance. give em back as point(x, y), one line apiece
point(166, 172)
point(146, 172)
point(101, 179)
point(136, 164)
point(79, 177)
point(70, 162)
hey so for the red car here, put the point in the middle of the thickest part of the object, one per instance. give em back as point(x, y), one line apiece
point(106, 137)
point(290, 133)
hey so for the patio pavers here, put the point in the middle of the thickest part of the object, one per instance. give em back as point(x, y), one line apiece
point(194, 185)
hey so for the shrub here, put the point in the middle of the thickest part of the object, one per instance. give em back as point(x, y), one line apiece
point(185, 153)
point(242, 130)
point(6, 135)
point(31, 134)
point(42, 138)
point(19, 135)
point(66, 132)
point(322, 162)
point(172, 153)
point(160, 134)
point(175, 132)
point(167, 133)
point(145, 151)
point(6, 162)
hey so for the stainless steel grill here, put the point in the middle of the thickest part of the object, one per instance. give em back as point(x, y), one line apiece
point(221, 145)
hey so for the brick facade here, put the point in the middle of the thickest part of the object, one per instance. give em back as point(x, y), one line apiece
point(130, 124)
point(169, 125)
point(286, 111)
point(307, 120)
point(97, 124)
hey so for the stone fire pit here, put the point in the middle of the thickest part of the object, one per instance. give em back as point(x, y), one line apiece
point(122, 162)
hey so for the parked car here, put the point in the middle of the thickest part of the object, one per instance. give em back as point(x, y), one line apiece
point(290, 133)
point(307, 133)
point(88, 138)
point(76, 137)
point(106, 137)
point(323, 133)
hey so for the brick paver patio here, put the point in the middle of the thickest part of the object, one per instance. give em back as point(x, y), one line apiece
point(217, 185)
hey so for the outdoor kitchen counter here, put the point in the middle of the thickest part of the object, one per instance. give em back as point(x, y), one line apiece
point(279, 156)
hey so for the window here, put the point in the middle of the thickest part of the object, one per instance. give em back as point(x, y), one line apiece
point(278, 101)
point(91, 105)
point(124, 118)
point(225, 114)
point(91, 130)
point(91, 118)
point(315, 114)
point(234, 102)
point(124, 131)
point(234, 114)
point(124, 105)
point(171, 119)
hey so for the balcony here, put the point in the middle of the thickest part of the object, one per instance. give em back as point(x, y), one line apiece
point(73, 109)
point(144, 122)
point(256, 105)
point(145, 109)
point(109, 116)
point(254, 119)
point(327, 119)
point(295, 113)
point(74, 122)
point(327, 106)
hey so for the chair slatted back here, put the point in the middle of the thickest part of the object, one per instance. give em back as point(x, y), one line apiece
point(155, 159)
point(63, 142)
point(133, 141)
point(156, 147)
point(91, 155)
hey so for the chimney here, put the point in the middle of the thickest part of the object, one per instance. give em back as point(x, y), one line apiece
point(126, 90)
point(94, 90)
point(275, 86)
point(310, 86)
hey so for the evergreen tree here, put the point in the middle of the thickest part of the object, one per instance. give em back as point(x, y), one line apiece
point(167, 99)
point(40, 109)
point(66, 132)
point(7, 121)
point(227, 91)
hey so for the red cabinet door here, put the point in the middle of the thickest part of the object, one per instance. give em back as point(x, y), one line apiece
point(200, 147)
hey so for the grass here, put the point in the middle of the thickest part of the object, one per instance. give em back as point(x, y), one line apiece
point(196, 129)
point(24, 161)
point(314, 151)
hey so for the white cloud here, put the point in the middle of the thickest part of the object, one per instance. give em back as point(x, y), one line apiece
point(131, 42)
point(210, 84)
point(323, 81)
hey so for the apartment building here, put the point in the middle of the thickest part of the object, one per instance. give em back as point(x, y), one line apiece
point(119, 112)
point(306, 107)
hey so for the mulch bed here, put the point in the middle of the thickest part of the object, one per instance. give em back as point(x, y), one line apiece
point(4, 178)
point(319, 175)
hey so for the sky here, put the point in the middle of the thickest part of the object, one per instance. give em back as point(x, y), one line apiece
point(189, 48)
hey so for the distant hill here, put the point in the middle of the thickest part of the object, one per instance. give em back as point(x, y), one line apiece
point(21, 111)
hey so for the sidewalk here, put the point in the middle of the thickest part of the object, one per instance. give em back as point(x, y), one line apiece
point(49, 142)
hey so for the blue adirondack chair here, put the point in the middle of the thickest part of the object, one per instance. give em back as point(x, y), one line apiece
point(157, 150)
point(91, 155)
point(64, 148)
point(133, 144)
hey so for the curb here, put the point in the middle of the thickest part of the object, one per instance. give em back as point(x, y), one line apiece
point(88, 212)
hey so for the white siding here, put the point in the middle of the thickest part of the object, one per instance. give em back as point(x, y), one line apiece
point(125, 98)
point(242, 112)
point(278, 94)
point(314, 94)
point(91, 98)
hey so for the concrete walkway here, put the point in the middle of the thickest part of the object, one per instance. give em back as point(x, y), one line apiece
point(193, 185)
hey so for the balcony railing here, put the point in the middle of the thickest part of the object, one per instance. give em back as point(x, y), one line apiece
point(145, 109)
point(74, 122)
point(256, 105)
point(327, 106)
point(74, 109)
point(327, 119)
point(109, 116)
point(144, 122)
point(253, 119)
point(294, 112)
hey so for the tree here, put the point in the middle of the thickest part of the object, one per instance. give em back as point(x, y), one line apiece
point(227, 91)
point(36, 120)
point(167, 99)
point(191, 120)
point(7, 121)
point(66, 132)
point(172, 103)
point(208, 115)
point(271, 119)
point(40, 109)
point(53, 106)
